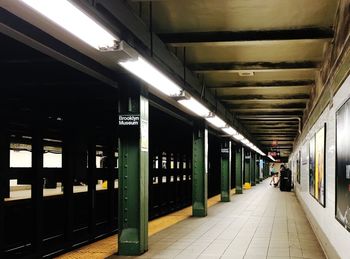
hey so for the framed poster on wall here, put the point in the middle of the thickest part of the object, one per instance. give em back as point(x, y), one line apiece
point(320, 177)
point(342, 207)
point(312, 166)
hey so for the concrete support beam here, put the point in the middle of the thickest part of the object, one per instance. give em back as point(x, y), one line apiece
point(256, 66)
point(229, 37)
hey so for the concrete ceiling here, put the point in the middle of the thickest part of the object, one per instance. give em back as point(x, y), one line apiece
point(280, 44)
point(241, 15)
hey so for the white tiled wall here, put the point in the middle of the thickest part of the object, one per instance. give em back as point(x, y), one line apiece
point(325, 223)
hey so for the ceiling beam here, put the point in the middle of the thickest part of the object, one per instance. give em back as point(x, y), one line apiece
point(272, 126)
point(276, 83)
point(268, 101)
point(269, 142)
point(289, 134)
point(274, 138)
point(267, 106)
point(220, 37)
point(264, 112)
point(276, 123)
point(288, 137)
point(269, 122)
point(267, 117)
point(273, 131)
point(251, 66)
point(262, 96)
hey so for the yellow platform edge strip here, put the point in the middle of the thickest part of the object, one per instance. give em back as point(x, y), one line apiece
point(109, 246)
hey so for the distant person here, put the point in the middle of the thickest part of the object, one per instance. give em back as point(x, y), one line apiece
point(272, 170)
point(274, 174)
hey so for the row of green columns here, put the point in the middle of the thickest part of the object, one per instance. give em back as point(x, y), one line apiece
point(251, 169)
point(133, 173)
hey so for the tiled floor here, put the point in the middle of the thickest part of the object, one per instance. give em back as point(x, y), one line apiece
point(261, 223)
point(108, 246)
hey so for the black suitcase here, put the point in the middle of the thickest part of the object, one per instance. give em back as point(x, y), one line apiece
point(286, 181)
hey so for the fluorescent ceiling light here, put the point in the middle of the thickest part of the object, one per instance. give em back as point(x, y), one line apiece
point(238, 137)
point(216, 121)
point(272, 158)
point(151, 75)
point(229, 131)
point(195, 106)
point(245, 141)
point(75, 21)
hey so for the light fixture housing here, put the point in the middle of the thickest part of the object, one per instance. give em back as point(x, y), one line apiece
point(74, 20)
point(229, 131)
point(245, 141)
point(144, 70)
point(194, 106)
point(238, 137)
point(216, 121)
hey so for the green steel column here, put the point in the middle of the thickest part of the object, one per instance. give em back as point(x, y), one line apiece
point(264, 171)
point(257, 166)
point(261, 169)
point(133, 174)
point(226, 171)
point(239, 170)
point(252, 167)
point(247, 166)
point(200, 171)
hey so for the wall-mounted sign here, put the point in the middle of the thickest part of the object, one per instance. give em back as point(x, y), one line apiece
point(144, 135)
point(129, 120)
point(225, 152)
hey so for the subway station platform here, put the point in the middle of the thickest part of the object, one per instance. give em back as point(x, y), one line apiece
point(261, 223)
point(149, 129)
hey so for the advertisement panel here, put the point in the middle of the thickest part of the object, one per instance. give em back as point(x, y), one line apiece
point(320, 166)
point(342, 207)
point(312, 166)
